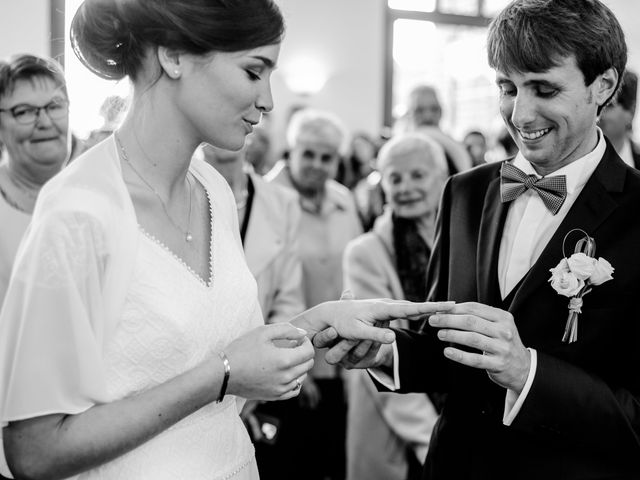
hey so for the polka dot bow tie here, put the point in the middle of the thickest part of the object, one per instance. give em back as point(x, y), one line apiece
point(514, 182)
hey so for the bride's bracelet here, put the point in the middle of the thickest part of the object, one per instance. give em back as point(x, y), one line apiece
point(225, 380)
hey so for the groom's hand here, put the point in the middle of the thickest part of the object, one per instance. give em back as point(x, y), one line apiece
point(360, 352)
point(493, 333)
point(350, 353)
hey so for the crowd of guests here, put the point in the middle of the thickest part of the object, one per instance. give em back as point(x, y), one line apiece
point(342, 215)
point(302, 224)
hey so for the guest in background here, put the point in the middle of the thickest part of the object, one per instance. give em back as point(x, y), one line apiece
point(34, 127)
point(368, 192)
point(616, 120)
point(388, 434)
point(370, 200)
point(358, 163)
point(258, 151)
point(112, 111)
point(316, 140)
point(423, 114)
point(78, 146)
point(269, 217)
point(476, 144)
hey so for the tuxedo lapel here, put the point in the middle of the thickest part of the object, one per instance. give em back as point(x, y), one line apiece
point(494, 214)
point(592, 207)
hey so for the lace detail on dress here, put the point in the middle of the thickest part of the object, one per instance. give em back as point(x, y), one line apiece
point(168, 327)
point(209, 282)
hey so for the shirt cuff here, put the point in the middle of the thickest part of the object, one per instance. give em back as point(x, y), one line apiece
point(386, 380)
point(513, 402)
point(4, 468)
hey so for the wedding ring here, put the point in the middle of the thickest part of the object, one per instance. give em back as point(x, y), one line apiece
point(298, 384)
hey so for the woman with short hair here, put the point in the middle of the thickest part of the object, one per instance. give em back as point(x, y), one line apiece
point(34, 128)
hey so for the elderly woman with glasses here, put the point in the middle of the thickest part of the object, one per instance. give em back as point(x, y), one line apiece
point(34, 128)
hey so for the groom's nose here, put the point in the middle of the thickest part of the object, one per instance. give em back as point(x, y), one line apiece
point(524, 109)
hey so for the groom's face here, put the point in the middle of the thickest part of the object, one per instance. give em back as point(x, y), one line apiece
point(551, 115)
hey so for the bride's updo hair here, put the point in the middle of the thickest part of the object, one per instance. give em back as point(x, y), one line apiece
point(112, 37)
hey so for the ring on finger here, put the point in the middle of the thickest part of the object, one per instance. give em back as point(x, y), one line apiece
point(298, 384)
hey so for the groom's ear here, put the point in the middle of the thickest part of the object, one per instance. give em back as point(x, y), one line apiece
point(604, 86)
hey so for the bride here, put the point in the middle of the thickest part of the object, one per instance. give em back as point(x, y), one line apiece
point(131, 333)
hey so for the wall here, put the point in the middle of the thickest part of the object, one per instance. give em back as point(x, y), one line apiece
point(346, 38)
point(25, 27)
point(628, 13)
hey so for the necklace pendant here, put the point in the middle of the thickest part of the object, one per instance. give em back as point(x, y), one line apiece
point(188, 237)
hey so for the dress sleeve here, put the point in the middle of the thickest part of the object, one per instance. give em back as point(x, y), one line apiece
point(52, 322)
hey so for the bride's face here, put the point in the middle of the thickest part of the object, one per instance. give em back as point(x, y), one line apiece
point(224, 97)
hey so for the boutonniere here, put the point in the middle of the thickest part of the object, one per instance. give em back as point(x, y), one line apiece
point(574, 277)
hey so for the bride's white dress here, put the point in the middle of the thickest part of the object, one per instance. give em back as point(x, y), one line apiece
point(173, 320)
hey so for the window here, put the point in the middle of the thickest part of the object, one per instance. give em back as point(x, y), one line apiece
point(87, 92)
point(442, 43)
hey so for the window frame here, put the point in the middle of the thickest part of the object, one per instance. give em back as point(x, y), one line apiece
point(437, 16)
point(57, 18)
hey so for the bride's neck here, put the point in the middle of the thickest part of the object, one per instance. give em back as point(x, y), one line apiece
point(158, 145)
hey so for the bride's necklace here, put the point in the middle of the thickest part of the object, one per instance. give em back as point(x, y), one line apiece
point(188, 237)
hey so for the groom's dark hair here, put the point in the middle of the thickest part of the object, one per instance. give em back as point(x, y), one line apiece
point(536, 35)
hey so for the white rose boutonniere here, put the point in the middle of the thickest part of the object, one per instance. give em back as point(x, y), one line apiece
point(603, 272)
point(581, 265)
point(573, 277)
point(564, 281)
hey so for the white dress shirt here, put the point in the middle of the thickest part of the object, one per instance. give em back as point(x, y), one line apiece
point(530, 225)
point(527, 230)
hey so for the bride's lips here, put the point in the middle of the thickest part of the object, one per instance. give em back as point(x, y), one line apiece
point(249, 124)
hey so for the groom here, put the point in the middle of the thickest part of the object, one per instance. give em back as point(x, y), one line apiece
point(522, 402)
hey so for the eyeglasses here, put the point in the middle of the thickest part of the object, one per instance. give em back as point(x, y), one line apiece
point(25, 114)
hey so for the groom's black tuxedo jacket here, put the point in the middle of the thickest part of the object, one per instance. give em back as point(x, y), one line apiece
point(581, 419)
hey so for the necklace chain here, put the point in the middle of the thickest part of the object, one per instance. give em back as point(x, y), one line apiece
point(188, 237)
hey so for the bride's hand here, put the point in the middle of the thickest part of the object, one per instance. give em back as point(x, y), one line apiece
point(269, 362)
point(357, 319)
point(362, 353)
